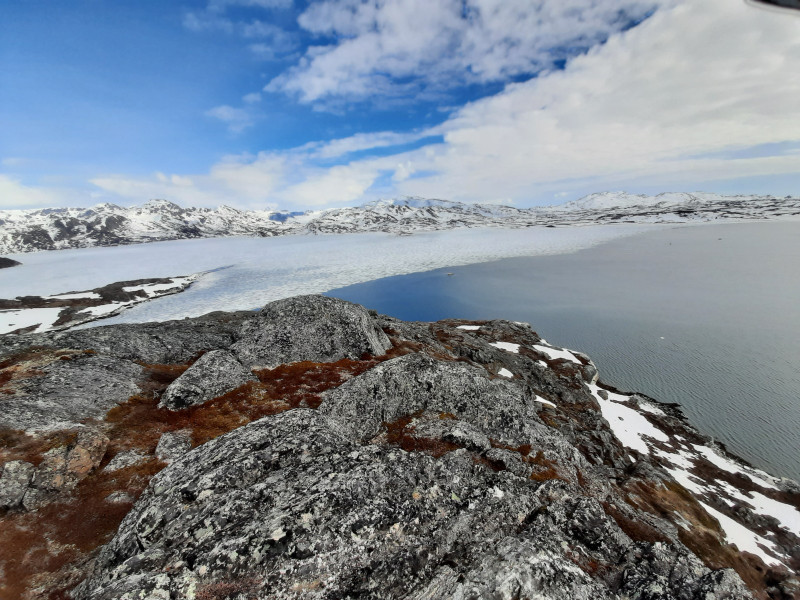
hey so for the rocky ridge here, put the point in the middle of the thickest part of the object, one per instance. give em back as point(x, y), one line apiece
point(159, 220)
point(398, 460)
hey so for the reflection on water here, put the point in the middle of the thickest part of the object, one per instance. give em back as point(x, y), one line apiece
point(707, 316)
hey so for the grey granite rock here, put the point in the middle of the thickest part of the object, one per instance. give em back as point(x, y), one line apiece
point(17, 474)
point(214, 374)
point(314, 328)
point(70, 391)
point(167, 342)
point(287, 507)
point(125, 459)
point(63, 467)
point(425, 476)
point(174, 444)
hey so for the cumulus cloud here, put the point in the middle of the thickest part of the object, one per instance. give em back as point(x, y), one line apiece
point(700, 77)
point(702, 91)
point(393, 47)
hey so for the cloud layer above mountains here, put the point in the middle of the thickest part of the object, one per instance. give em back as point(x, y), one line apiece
point(588, 95)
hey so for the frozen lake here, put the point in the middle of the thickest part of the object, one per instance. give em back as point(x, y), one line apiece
point(249, 272)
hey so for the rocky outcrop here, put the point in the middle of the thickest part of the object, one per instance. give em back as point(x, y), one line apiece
point(312, 328)
point(214, 374)
point(287, 507)
point(63, 467)
point(68, 389)
point(394, 460)
point(8, 262)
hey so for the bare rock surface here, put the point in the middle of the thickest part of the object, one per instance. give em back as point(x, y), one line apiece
point(16, 476)
point(287, 507)
point(173, 445)
point(65, 392)
point(314, 328)
point(441, 460)
point(214, 374)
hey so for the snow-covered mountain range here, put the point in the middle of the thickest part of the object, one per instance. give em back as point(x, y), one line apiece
point(157, 220)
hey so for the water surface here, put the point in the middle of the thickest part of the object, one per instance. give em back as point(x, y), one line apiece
point(705, 316)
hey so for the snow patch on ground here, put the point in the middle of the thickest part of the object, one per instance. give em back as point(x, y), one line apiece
point(505, 373)
point(744, 539)
point(507, 346)
point(554, 354)
point(91, 295)
point(728, 465)
point(11, 320)
point(154, 289)
point(469, 327)
point(628, 425)
point(105, 309)
point(543, 401)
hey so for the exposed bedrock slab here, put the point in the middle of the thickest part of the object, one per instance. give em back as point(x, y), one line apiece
point(214, 374)
point(314, 328)
point(417, 382)
point(167, 342)
point(286, 507)
point(66, 392)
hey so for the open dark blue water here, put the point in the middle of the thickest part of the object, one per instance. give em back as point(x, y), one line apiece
point(705, 316)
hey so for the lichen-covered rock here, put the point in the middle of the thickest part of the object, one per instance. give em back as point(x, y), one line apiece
point(167, 342)
point(416, 382)
point(314, 328)
point(287, 507)
point(67, 392)
point(430, 475)
point(214, 374)
point(124, 460)
point(17, 474)
point(174, 444)
point(63, 467)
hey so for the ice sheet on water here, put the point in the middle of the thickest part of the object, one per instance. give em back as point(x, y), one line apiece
point(264, 269)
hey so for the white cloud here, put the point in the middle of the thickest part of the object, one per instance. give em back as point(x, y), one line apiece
point(253, 98)
point(434, 46)
point(362, 141)
point(237, 119)
point(704, 76)
point(655, 106)
point(13, 194)
point(344, 184)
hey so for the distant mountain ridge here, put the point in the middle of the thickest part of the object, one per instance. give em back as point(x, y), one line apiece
point(160, 220)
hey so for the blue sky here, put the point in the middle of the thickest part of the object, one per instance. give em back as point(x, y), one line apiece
point(292, 104)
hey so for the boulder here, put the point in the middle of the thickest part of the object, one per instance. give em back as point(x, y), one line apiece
point(214, 374)
point(17, 474)
point(313, 328)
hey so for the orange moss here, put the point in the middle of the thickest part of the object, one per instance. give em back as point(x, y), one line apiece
point(705, 538)
point(18, 445)
point(44, 542)
point(401, 433)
